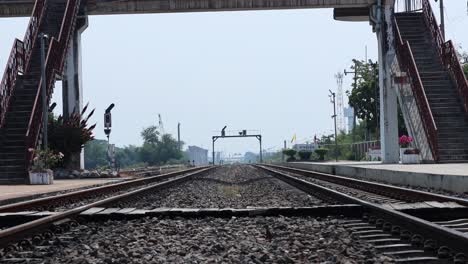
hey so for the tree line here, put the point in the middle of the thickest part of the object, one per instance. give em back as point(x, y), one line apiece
point(157, 149)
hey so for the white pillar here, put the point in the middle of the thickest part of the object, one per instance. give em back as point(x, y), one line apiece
point(388, 96)
point(72, 84)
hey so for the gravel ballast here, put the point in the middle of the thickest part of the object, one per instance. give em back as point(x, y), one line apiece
point(237, 186)
point(209, 240)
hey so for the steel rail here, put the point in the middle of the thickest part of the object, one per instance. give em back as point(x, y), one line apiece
point(455, 240)
point(52, 200)
point(386, 189)
point(20, 232)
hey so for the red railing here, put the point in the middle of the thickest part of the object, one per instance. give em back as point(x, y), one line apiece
point(447, 54)
point(54, 64)
point(431, 22)
point(408, 64)
point(15, 65)
point(455, 69)
point(18, 61)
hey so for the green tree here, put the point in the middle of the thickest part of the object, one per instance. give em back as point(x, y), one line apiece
point(169, 149)
point(127, 156)
point(250, 157)
point(290, 153)
point(321, 152)
point(364, 95)
point(95, 153)
point(463, 55)
point(158, 149)
point(150, 135)
point(304, 155)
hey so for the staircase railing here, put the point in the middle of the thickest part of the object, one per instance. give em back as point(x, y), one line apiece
point(15, 65)
point(18, 61)
point(447, 54)
point(54, 64)
point(408, 64)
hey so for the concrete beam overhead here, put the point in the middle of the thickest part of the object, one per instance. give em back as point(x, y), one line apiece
point(23, 8)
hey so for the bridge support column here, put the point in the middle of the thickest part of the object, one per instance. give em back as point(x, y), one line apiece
point(72, 84)
point(388, 96)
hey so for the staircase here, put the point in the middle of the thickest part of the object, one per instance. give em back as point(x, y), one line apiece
point(445, 97)
point(21, 110)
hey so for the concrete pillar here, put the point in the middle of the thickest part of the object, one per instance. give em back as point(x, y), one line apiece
point(388, 96)
point(72, 84)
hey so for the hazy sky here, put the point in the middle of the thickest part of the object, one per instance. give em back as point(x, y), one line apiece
point(268, 71)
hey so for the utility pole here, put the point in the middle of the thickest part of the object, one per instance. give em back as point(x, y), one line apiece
point(178, 136)
point(282, 154)
point(45, 107)
point(333, 101)
point(355, 72)
point(442, 18)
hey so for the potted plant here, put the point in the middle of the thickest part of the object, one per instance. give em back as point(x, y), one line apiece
point(321, 152)
point(68, 135)
point(290, 153)
point(43, 161)
point(405, 142)
point(410, 156)
point(304, 155)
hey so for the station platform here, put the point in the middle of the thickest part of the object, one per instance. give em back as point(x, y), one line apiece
point(13, 193)
point(446, 177)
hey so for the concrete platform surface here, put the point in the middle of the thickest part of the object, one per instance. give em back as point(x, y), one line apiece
point(460, 169)
point(447, 177)
point(11, 192)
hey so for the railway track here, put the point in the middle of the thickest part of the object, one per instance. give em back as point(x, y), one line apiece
point(408, 231)
point(64, 201)
point(384, 217)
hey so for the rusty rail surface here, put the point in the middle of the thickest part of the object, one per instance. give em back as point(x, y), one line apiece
point(408, 64)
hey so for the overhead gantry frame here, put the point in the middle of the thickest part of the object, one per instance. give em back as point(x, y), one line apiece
point(241, 135)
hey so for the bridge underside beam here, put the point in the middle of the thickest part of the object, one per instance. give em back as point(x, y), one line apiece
point(21, 8)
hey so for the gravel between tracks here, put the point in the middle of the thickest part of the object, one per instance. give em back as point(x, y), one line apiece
point(209, 240)
point(237, 186)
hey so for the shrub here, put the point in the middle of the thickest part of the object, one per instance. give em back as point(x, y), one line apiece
point(45, 159)
point(290, 153)
point(69, 136)
point(304, 155)
point(321, 152)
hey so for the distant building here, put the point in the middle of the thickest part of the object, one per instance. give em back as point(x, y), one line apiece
point(305, 147)
point(349, 115)
point(197, 154)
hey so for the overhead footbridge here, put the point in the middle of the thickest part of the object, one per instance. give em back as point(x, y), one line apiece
point(23, 8)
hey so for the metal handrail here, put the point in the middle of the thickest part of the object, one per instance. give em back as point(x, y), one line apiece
point(15, 65)
point(447, 54)
point(19, 59)
point(54, 64)
point(408, 64)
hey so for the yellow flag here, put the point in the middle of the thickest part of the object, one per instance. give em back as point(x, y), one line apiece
point(293, 138)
